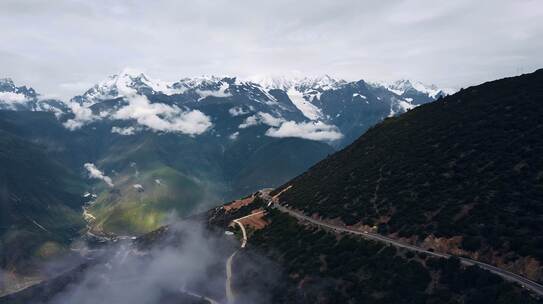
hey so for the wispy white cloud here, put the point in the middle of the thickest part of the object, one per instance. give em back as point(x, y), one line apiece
point(269, 119)
point(221, 92)
point(261, 118)
point(154, 116)
point(82, 116)
point(97, 174)
point(237, 111)
point(11, 98)
point(162, 117)
point(249, 121)
point(314, 130)
point(124, 131)
point(309, 130)
point(234, 136)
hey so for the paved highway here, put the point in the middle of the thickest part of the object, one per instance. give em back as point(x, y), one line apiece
point(507, 275)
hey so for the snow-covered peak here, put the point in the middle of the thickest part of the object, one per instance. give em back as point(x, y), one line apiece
point(270, 82)
point(6, 82)
point(301, 90)
point(322, 83)
point(7, 85)
point(24, 98)
point(13, 97)
point(403, 86)
point(193, 82)
point(126, 82)
point(300, 83)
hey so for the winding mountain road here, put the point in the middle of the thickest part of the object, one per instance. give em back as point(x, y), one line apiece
point(229, 291)
point(505, 274)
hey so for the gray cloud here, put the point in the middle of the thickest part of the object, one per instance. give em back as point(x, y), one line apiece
point(190, 259)
point(128, 275)
point(58, 46)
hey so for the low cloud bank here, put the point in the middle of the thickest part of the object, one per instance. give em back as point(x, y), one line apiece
point(189, 260)
point(154, 116)
point(82, 116)
point(12, 98)
point(309, 130)
point(162, 117)
point(313, 130)
point(124, 131)
point(221, 92)
point(261, 118)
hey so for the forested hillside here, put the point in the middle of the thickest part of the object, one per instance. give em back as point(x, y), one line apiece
point(463, 175)
point(40, 201)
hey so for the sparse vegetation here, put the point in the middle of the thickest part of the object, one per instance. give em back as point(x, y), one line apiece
point(322, 267)
point(467, 165)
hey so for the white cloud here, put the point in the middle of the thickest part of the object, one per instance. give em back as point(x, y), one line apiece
point(249, 121)
point(162, 117)
point(12, 98)
point(234, 136)
point(261, 118)
point(269, 119)
point(308, 130)
point(219, 93)
point(315, 130)
point(155, 116)
point(97, 174)
point(124, 131)
point(237, 111)
point(83, 115)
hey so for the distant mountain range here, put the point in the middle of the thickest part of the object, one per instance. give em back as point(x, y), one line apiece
point(140, 149)
point(317, 108)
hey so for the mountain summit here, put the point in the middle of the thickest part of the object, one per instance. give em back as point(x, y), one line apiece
point(122, 84)
point(13, 97)
point(290, 106)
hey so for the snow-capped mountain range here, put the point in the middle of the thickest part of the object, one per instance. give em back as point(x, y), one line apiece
point(316, 108)
point(205, 139)
point(16, 98)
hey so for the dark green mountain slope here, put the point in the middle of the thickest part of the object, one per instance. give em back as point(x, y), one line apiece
point(324, 267)
point(40, 200)
point(463, 174)
point(177, 172)
point(273, 161)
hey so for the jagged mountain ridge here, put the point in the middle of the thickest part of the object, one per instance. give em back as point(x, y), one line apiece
point(21, 98)
point(314, 104)
point(182, 145)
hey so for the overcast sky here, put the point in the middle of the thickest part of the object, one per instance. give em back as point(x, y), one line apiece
point(63, 47)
